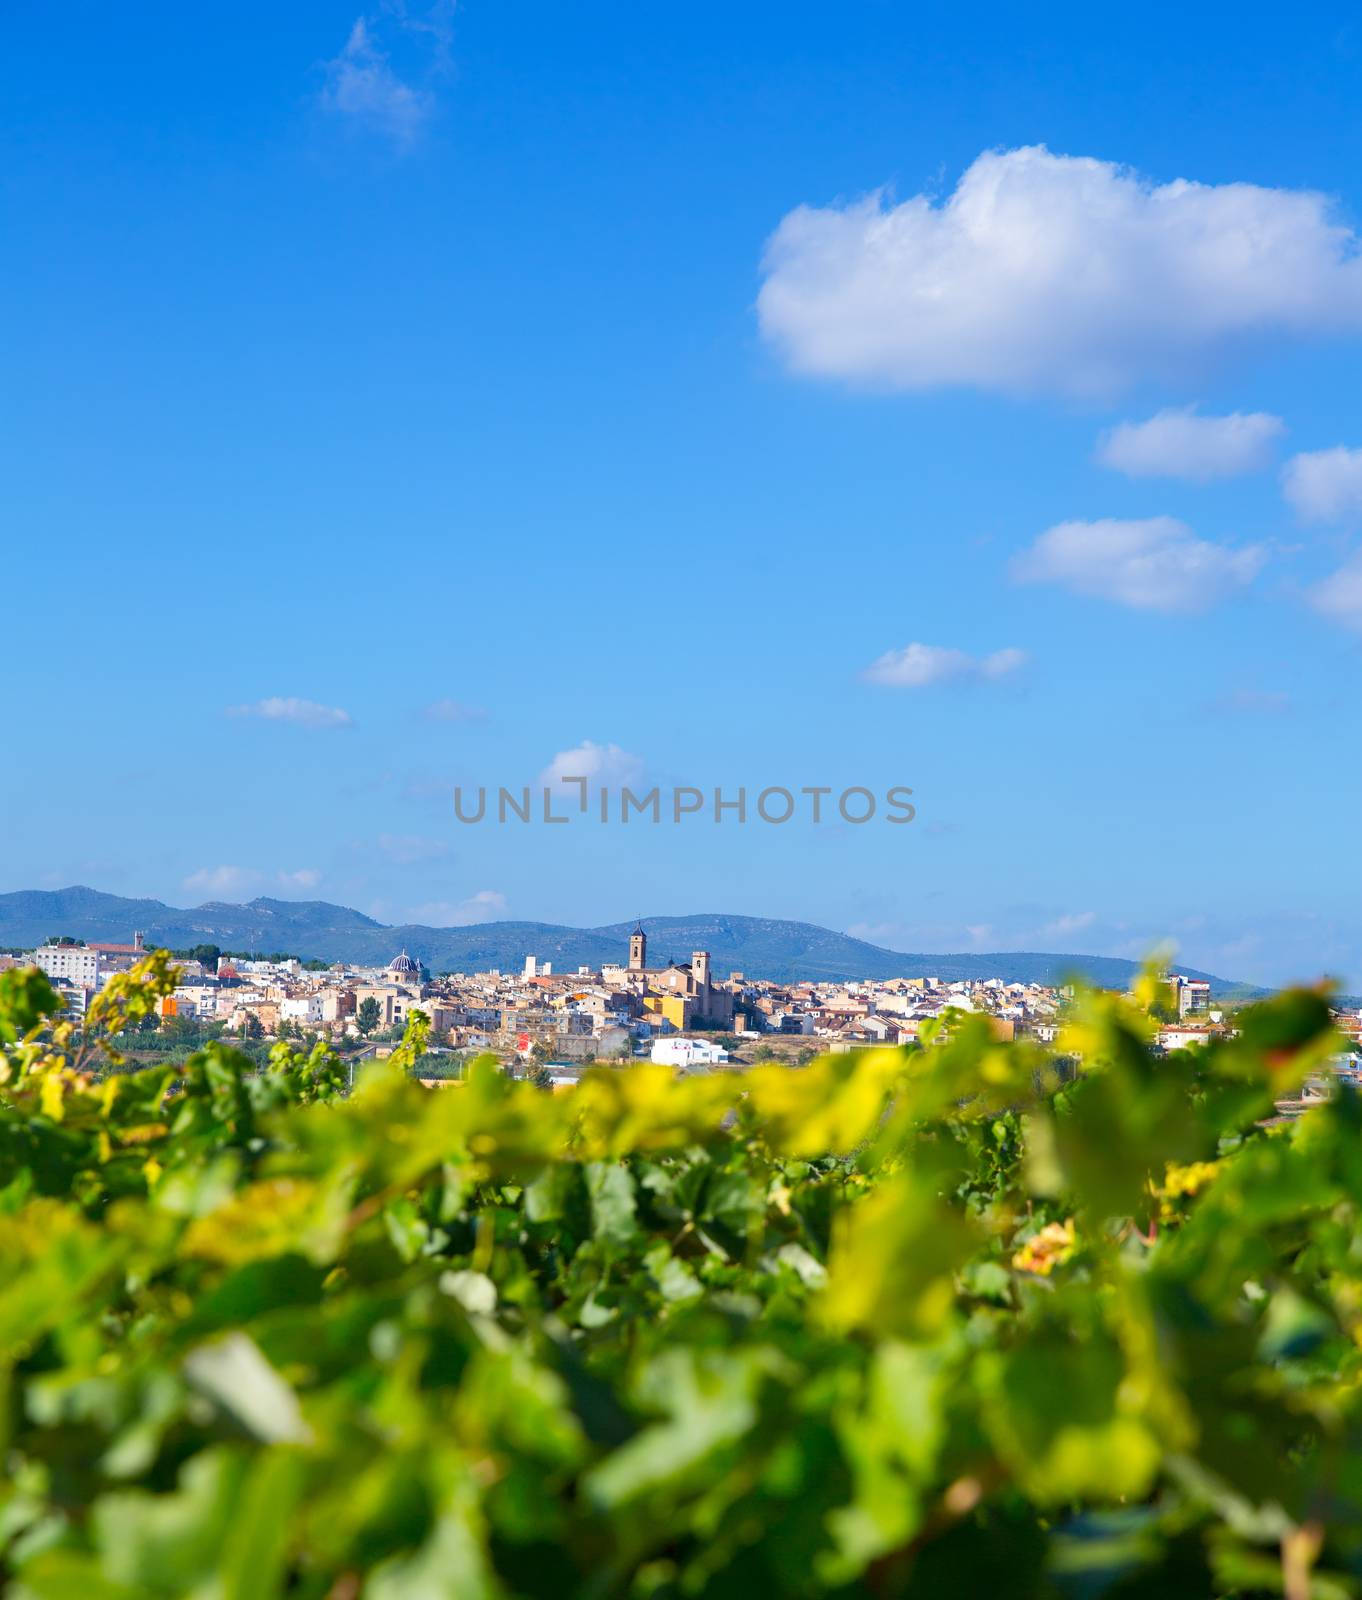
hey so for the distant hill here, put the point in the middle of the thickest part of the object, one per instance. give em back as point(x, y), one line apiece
point(761, 947)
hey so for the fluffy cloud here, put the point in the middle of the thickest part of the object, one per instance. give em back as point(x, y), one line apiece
point(409, 849)
point(447, 710)
point(220, 883)
point(918, 666)
point(1156, 564)
point(484, 906)
point(1180, 444)
point(1324, 485)
point(1339, 596)
point(1045, 272)
point(288, 708)
point(602, 765)
point(302, 878)
point(363, 84)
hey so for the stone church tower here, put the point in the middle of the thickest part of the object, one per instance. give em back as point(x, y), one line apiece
point(638, 949)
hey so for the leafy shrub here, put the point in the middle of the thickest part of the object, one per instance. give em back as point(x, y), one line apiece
point(930, 1323)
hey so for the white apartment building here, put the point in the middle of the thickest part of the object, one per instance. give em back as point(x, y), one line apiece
point(74, 1000)
point(1194, 996)
point(196, 999)
point(76, 964)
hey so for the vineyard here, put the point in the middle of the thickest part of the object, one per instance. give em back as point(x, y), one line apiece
point(965, 1320)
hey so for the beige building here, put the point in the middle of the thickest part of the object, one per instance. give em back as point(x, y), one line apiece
point(688, 981)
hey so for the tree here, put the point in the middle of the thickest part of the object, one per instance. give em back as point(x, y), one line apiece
point(542, 1078)
point(253, 1028)
point(368, 1016)
point(540, 1051)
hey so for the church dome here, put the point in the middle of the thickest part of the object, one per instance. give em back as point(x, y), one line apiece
point(403, 965)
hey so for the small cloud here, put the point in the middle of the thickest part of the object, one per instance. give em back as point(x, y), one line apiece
point(225, 882)
point(875, 932)
point(602, 765)
point(1070, 922)
point(427, 788)
point(1339, 596)
point(487, 905)
point(1253, 703)
point(407, 849)
point(300, 878)
point(1156, 564)
point(220, 882)
point(289, 708)
point(453, 711)
point(918, 666)
point(1180, 444)
point(364, 85)
point(1324, 485)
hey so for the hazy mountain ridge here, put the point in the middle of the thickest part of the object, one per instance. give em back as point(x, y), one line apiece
point(760, 947)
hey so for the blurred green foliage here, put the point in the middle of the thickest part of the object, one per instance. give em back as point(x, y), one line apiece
point(942, 1322)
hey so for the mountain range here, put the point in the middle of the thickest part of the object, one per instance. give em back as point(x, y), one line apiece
point(760, 947)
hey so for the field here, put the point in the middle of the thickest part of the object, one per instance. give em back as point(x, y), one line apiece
point(960, 1320)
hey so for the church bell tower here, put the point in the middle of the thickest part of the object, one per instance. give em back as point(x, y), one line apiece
point(638, 949)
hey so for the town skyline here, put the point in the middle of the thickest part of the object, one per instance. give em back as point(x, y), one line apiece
point(771, 948)
point(679, 1011)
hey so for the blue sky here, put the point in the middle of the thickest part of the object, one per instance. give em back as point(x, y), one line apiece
point(660, 378)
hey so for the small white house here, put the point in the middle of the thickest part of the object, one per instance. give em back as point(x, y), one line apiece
point(688, 1053)
point(306, 1009)
point(1184, 1036)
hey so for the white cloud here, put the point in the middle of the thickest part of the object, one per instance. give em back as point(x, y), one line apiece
point(487, 905)
point(1339, 596)
point(1253, 703)
point(1180, 444)
point(1157, 564)
point(300, 878)
point(1046, 272)
point(289, 708)
point(602, 765)
point(454, 711)
point(917, 666)
point(407, 849)
point(363, 84)
point(1324, 485)
point(874, 932)
point(220, 882)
